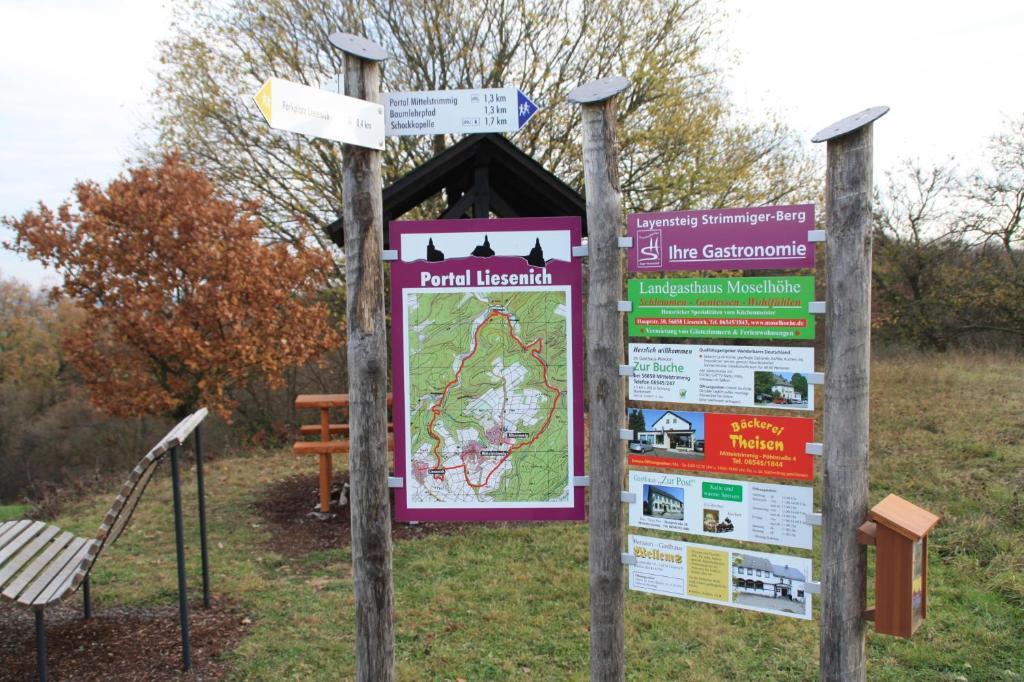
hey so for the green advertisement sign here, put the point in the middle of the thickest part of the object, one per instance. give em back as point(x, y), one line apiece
point(723, 307)
point(721, 491)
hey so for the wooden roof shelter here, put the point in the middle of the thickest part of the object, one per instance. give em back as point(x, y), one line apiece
point(481, 174)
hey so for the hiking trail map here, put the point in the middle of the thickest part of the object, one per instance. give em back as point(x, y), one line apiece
point(487, 367)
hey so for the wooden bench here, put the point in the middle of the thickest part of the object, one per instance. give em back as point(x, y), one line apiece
point(329, 447)
point(40, 564)
point(333, 429)
point(325, 448)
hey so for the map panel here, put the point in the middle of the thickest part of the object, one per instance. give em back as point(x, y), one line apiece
point(487, 369)
point(487, 385)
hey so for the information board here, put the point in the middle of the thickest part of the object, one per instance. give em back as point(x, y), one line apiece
point(771, 377)
point(767, 513)
point(756, 581)
point(743, 444)
point(723, 307)
point(766, 237)
point(487, 369)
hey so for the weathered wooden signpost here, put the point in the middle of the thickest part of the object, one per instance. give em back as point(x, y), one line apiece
point(847, 390)
point(452, 470)
point(604, 385)
point(368, 378)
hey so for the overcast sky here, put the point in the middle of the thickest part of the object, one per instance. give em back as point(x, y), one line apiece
point(75, 77)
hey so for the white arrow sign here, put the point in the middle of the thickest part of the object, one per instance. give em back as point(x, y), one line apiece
point(439, 112)
point(302, 109)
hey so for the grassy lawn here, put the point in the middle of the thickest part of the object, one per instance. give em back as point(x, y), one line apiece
point(496, 603)
point(9, 512)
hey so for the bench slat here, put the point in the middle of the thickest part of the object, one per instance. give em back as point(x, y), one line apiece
point(8, 570)
point(321, 400)
point(318, 447)
point(20, 541)
point(333, 429)
point(11, 529)
point(14, 589)
point(62, 582)
point(43, 579)
point(314, 429)
point(331, 447)
point(324, 401)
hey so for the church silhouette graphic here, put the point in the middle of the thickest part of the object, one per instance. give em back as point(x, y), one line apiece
point(484, 250)
point(433, 255)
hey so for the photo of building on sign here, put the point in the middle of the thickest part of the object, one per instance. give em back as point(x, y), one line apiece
point(780, 388)
point(756, 581)
point(666, 433)
point(663, 502)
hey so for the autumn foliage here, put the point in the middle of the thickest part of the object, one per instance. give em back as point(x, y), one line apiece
point(182, 300)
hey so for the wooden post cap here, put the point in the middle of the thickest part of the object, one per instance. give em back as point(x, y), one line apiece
point(850, 123)
point(359, 46)
point(599, 90)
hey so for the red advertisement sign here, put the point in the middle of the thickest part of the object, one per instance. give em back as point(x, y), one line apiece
point(748, 445)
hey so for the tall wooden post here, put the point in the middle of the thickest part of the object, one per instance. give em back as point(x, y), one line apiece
point(847, 380)
point(604, 385)
point(368, 378)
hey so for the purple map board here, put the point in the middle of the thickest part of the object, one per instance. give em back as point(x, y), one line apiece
point(487, 369)
point(762, 238)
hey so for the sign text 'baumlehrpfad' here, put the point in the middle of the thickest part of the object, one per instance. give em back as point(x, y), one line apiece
point(440, 112)
point(767, 237)
point(319, 113)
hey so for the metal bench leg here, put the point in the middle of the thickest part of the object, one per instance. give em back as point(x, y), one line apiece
point(179, 541)
point(87, 597)
point(204, 551)
point(40, 645)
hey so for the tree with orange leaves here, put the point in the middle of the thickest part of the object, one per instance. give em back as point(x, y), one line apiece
point(183, 301)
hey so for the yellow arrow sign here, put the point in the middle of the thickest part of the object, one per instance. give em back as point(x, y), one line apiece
point(309, 111)
point(263, 101)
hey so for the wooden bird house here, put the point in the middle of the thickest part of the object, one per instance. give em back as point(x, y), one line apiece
point(899, 530)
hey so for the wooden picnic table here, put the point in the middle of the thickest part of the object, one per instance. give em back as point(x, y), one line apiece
point(326, 447)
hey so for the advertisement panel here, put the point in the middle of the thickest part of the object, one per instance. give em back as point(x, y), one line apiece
point(723, 307)
point(769, 377)
point(743, 444)
point(766, 237)
point(755, 581)
point(767, 513)
point(487, 369)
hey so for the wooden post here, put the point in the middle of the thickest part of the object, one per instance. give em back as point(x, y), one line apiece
point(326, 468)
point(847, 381)
point(368, 378)
point(604, 385)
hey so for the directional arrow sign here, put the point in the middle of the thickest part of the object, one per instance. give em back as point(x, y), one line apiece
point(438, 112)
point(302, 109)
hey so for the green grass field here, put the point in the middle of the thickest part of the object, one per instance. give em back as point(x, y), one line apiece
point(12, 511)
point(496, 603)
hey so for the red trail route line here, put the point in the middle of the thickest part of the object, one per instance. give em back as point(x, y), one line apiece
point(535, 348)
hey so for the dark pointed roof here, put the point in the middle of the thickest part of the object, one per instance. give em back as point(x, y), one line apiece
point(483, 174)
